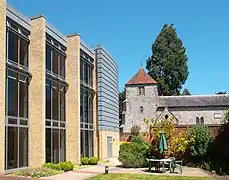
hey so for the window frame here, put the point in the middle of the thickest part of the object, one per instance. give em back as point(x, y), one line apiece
point(17, 121)
point(61, 52)
point(21, 33)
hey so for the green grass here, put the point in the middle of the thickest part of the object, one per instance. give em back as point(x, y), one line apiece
point(145, 177)
point(36, 172)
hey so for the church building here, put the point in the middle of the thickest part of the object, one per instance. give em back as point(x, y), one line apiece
point(142, 100)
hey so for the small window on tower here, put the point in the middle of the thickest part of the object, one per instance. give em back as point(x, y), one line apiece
point(141, 90)
point(166, 116)
point(141, 109)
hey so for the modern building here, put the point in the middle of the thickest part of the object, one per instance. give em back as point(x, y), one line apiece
point(108, 106)
point(142, 100)
point(49, 95)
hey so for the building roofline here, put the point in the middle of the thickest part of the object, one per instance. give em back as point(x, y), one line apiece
point(101, 46)
point(86, 48)
point(52, 31)
point(190, 96)
point(18, 17)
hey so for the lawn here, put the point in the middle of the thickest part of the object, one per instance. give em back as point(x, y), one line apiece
point(145, 177)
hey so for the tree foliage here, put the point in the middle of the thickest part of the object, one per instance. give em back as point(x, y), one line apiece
point(202, 138)
point(168, 64)
point(221, 92)
point(186, 92)
point(121, 99)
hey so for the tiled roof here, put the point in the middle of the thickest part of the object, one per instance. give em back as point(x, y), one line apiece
point(141, 78)
point(194, 101)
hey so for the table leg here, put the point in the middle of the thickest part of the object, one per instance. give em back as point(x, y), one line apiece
point(149, 166)
point(163, 167)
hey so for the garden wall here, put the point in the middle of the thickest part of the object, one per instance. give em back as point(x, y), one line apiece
point(214, 129)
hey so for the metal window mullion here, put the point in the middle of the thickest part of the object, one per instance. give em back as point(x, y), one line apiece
point(7, 44)
point(18, 58)
point(88, 109)
point(58, 95)
point(83, 107)
point(58, 64)
point(6, 154)
point(18, 121)
point(6, 109)
point(84, 143)
point(83, 72)
point(51, 112)
point(51, 144)
point(59, 144)
point(51, 57)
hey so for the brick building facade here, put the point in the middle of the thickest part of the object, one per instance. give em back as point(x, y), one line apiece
point(49, 95)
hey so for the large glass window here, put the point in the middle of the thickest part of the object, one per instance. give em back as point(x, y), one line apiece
point(55, 58)
point(16, 146)
point(55, 121)
point(86, 69)
point(86, 105)
point(24, 49)
point(86, 143)
point(17, 82)
point(55, 101)
point(18, 48)
point(48, 57)
point(13, 47)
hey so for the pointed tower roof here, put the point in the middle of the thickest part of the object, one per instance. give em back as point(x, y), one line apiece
point(141, 78)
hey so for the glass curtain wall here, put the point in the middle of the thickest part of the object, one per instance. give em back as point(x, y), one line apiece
point(86, 105)
point(17, 84)
point(55, 101)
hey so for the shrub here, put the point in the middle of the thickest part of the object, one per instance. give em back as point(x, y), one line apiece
point(67, 166)
point(206, 166)
point(85, 160)
point(133, 154)
point(37, 172)
point(52, 166)
point(93, 160)
point(180, 144)
point(202, 139)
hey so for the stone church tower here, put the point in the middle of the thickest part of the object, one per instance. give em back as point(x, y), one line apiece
point(141, 101)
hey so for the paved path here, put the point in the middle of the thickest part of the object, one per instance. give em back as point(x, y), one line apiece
point(85, 173)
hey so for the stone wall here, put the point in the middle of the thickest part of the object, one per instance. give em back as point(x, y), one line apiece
point(187, 116)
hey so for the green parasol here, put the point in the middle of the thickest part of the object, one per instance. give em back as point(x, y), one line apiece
point(163, 144)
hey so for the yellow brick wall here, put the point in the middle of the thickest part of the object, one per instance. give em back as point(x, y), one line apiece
point(2, 81)
point(95, 111)
point(37, 92)
point(73, 99)
point(103, 144)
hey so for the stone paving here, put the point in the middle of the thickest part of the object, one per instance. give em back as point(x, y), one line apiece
point(114, 168)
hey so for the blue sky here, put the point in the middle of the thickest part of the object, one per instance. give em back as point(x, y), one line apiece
point(128, 28)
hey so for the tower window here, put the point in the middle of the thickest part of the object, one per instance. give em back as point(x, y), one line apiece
point(141, 90)
point(166, 116)
point(141, 109)
point(197, 120)
point(202, 120)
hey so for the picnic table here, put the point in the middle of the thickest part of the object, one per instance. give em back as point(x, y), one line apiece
point(163, 161)
point(171, 161)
